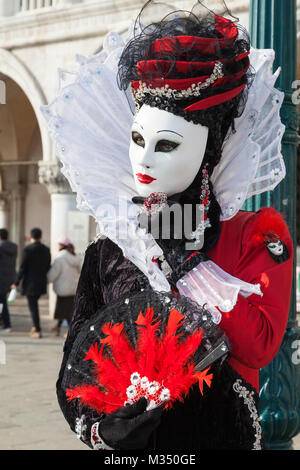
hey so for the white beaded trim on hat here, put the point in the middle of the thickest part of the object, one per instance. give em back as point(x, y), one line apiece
point(193, 90)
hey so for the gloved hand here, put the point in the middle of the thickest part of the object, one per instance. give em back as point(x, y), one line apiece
point(130, 427)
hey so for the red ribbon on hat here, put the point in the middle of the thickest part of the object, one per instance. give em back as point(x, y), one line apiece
point(185, 83)
point(158, 67)
point(215, 100)
point(207, 45)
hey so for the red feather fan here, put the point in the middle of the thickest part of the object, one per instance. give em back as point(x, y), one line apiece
point(160, 367)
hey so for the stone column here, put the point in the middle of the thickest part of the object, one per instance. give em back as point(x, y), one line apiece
point(62, 201)
point(7, 8)
point(4, 210)
point(17, 215)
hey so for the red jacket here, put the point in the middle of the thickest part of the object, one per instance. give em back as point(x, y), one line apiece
point(257, 324)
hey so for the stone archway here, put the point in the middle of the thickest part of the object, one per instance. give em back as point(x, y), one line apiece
point(24, 143)
point(13, 68)
point(24, 201)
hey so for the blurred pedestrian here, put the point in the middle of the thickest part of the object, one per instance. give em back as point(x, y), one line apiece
point(35, 264)
point(64, 274)
point(8, 256)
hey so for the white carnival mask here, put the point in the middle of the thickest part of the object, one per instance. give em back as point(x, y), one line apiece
point(276, 248)
point(166, 151)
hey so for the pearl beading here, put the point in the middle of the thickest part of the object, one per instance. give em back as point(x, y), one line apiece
point(96, 441)
point(249, 401)
point(154, 203)
point(155, 393)
point(197, 234)
point(80, 427)
point(172, 93)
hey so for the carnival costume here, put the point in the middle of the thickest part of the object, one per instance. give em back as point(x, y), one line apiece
point(167, 340)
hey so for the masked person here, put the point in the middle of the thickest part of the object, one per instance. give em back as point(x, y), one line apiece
point(201, 127)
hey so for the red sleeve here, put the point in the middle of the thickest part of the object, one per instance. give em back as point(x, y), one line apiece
point(257, 324)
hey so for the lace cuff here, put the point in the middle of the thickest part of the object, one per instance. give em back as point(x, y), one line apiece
point(208, 284)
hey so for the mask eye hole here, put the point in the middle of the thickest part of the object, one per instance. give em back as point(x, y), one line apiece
point(138, 139)
point(166, 146)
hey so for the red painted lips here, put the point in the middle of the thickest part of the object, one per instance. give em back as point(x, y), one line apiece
point(145, 179)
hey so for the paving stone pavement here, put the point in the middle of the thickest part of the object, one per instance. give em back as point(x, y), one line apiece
point(30, 417)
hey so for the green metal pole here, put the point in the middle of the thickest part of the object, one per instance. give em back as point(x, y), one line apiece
point(273, 25)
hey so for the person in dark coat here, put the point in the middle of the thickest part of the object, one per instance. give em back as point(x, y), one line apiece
point(8, 256)
point(35, 264)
